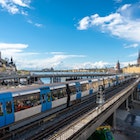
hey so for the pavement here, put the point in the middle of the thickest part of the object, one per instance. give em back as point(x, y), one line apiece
point(127, 125)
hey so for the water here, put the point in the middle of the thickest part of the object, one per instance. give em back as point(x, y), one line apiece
point(48, 81)
point(45, 80)
point(62, 79)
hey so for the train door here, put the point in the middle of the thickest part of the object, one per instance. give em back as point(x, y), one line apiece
point(117, 80)
point(6, 109)
point(9, 112)
point(78, 90)
point(2, 117)
point(90, 87)
point(108, 82)
point(46, 99)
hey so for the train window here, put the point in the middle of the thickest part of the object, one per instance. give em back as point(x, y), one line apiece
point(49, 97)
point(58, 93)
point(9, 107)
point(95, 84)
point(84, 87)
point(54, 95)
point(1, 109)
point(26, 101)
point(73, 89)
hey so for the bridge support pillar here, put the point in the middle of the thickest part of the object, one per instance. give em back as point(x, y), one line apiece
point(137, 95)
point(112, 120)
point(126, 104)
point(51, 80)
point(132, 97)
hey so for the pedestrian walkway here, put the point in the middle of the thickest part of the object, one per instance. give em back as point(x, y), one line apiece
point(128, 126)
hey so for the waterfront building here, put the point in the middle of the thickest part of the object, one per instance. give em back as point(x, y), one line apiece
point(135, 68)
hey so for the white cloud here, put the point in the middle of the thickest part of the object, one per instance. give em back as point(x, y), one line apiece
point(55, 61)
point(123, 23)
point(125, 64)
point(118, 1)
point(15, 6)
point(38, 25)
point(135, 45)
point(29, 60)
point(22, 3)
point(12, 46)
point(99, 64)
point(57, 53)
point(35, 24)
point(84, 23)
point(133, 55)
point(124, 7)
point(34, 60)
point(11, 49)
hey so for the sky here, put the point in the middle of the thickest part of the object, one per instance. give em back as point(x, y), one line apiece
point(69, 34)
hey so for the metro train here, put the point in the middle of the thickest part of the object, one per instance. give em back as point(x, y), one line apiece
point(20, 105)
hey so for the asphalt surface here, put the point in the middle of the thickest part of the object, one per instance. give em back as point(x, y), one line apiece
point(127, 125)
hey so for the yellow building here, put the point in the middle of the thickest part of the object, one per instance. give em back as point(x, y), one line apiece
point(133, 68)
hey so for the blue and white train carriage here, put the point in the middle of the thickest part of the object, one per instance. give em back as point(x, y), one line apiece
point(19, 105)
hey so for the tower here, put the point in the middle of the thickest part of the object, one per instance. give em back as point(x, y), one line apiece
point(138, 60)
point(11, 60)
point(118, 66)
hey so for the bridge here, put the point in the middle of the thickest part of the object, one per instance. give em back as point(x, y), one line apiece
point(54, 76)
point(83, 127)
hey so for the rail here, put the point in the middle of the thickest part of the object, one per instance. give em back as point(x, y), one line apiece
point(71, 131)
point(44, 120)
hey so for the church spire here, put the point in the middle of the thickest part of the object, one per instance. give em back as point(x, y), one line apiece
point(118, 65)
point(11, 60)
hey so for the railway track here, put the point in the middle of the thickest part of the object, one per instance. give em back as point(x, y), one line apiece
point(65, 121)
point(56, 121)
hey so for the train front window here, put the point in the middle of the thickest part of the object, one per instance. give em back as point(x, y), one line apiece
point(9, 107)
point(1, 109)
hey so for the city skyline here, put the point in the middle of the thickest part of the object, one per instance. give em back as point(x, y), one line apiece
point(70, 34)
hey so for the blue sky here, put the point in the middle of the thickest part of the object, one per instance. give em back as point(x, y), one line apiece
point(68, 34)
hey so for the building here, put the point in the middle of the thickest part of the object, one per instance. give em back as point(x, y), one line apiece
point(6, 66)
point(118, 68)
point(135, 68)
